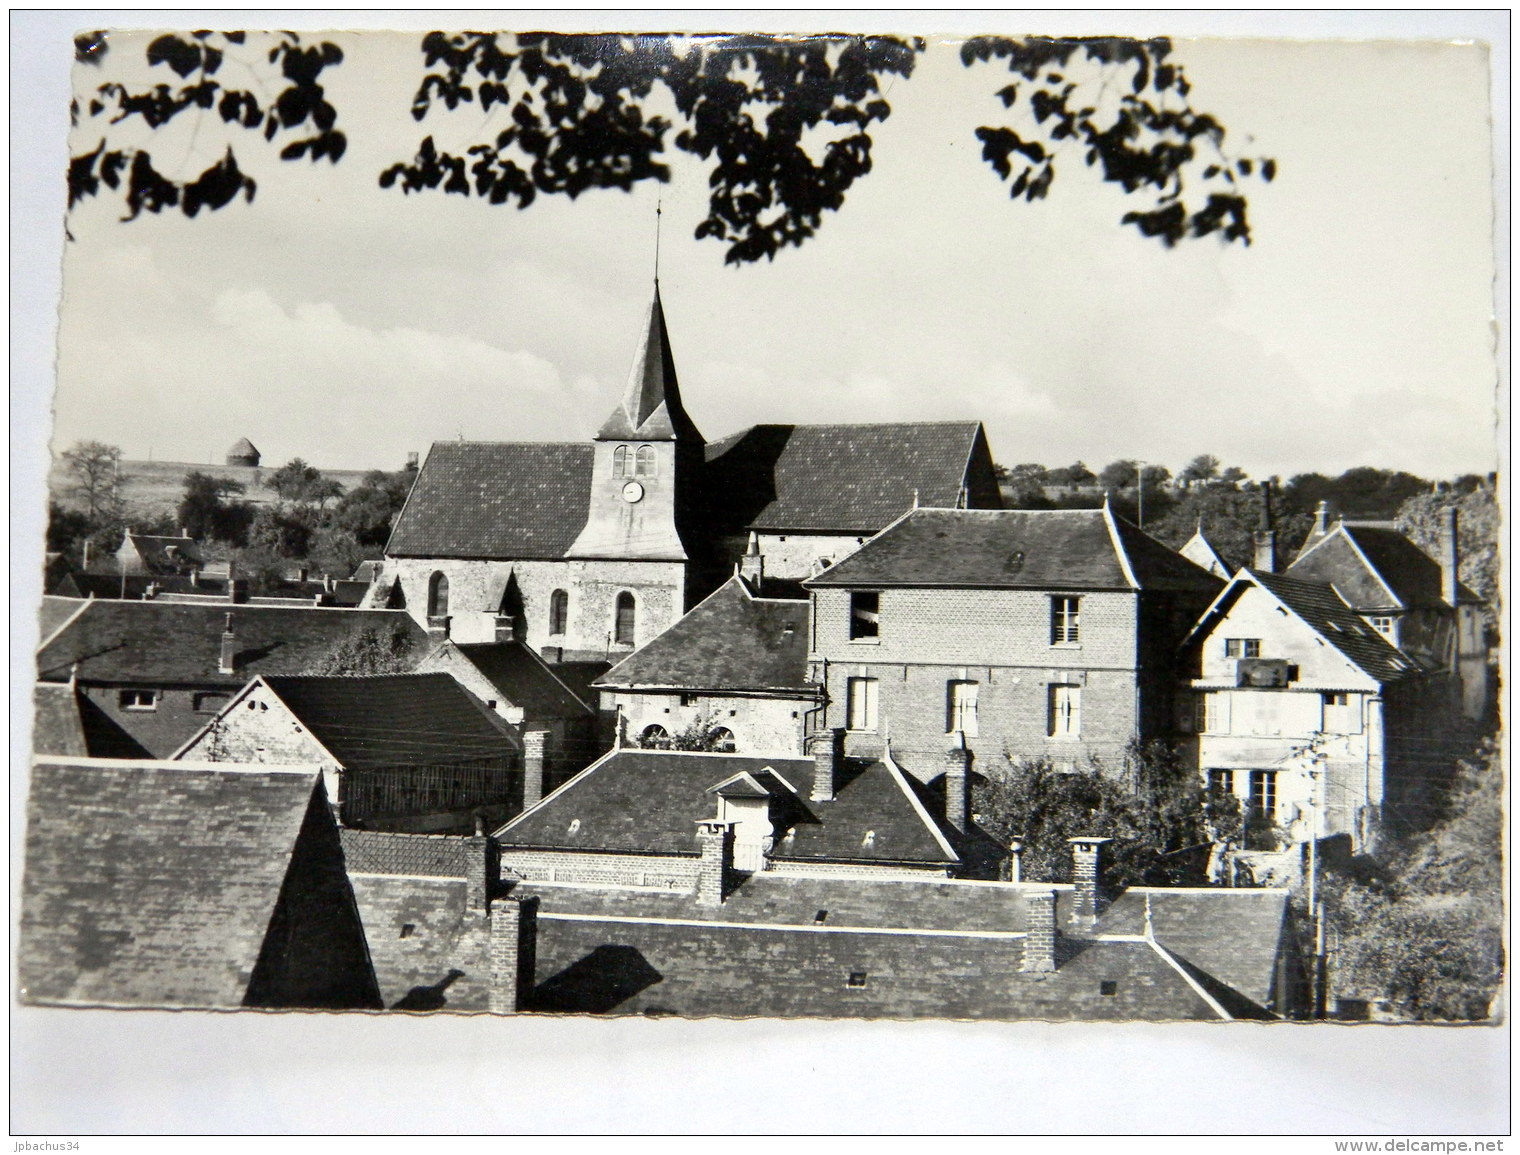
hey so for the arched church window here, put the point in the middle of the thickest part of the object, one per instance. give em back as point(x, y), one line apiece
point(644, 461)
point(622, 627)
point(620, 462)
point(438, 596)
point(722, 740)
point(559, 611)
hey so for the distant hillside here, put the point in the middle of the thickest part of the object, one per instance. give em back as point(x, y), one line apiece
point(151, 487)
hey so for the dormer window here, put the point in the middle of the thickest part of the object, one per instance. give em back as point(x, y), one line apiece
point(644, 461)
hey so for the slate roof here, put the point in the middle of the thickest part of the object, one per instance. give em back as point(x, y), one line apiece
point(845, 478)
point(1375, 568)
point(732, 640)
point(54, 612)
point(57, 727)
point(1323, 610)
point(496, 499)
point(649, 801)
point(523, 678)
point(651, 407)
point(155, 551)
point(153, 883)
point(395, 720)
point(135, 642)
point(1016, 549)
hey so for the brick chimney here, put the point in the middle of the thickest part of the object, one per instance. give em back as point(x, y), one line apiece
point(514, 940)
point(534, 744)
point(1040, 930)
point(957, 771)
point(228, 663)
point(481, 868)
point(716, 840)
point(752, 565)
point(1265, 537)
point(1449, 557)
point(1085, 872)
point(828, 756)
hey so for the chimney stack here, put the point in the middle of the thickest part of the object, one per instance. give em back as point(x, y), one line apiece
point(1321, 520)
point(534, 743)
point(752, 565)
point(229, 649)
point(716, 840)
point(514, 939)
point(1085, 873)
point(1040, 930)
point(1015, 859)
point(1449, 558)
point(828, 755)
point(957, 770)
point(1265, 536)
point(481, 867)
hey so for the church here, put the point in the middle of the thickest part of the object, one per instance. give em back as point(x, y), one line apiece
point(587, 550)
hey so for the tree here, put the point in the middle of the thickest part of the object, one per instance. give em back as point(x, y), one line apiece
point(1204, 467)
point(303, 484)
point(94, 471)
point(783, 123)
point(1425, 929)
point(368, 510)
point(1118, 475)
point(1162, 819)
point(1478, 528)
point(367, 652)
point(66, 529)
point(206, 514)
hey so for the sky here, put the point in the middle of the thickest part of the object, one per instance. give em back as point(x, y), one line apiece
point(348, 325)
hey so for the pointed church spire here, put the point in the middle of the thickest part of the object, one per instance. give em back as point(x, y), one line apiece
point(651, 408)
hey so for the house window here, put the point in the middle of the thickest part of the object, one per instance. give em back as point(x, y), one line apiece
point(1065, 620)
point(620, 466)
point(1065, 712)
point(1242, 647)
point(1214, 713)
point(856, 980)
point(209, 703)
point(644, 463)
point(721, 740)
point(1222, 781)
point(408, 929)
point(1383, 624)
point(1108, 988)
point(559, 611)
point(1343, 713)
point(1263, 800)
point(139, 699)
point(438, 596)
point(861, 704)
point(865, 614)
point(622, 628)
point(961, 708)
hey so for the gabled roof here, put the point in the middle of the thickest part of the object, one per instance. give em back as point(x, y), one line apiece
point(57, 727)
point(163, 553)
point(1374, 568)
point(1319, 607)
point(496, 499)
point(137, 642)
point(845, 478)
point(651, 407)
point(649, 801)
point(1015, 549)
point(154, 883)
point(1199, 550)
point(521, 677)
point(732, 640)
point(395, 720)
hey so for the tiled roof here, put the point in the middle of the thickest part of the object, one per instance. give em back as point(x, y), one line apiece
point(731, 640)
point(844, 478)
point(57, 727)
point(1339, 625)
point(1011, 549)
point(166, 642)
point(384, 852)
point(1375, 568)
point(428, 952)
point(496, 499)
point(1232, 935)
point(649, 801)
point(155, 551)
point(395, 720)
point(524, 679)
point(153, 883)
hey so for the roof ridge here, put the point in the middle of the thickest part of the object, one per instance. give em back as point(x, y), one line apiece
point(81, 762)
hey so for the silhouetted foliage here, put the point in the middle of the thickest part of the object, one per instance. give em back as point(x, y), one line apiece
point(369, 651)
point(1359, 492)
point(66, 530)
point(206, 514)
point(303, 484)
point(784, 123)
point(1479, 523)
point(367, 510)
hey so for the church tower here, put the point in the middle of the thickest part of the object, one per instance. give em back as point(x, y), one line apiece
point(648, 459)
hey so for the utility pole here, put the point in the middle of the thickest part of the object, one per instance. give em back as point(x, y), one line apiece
point(1316, 910)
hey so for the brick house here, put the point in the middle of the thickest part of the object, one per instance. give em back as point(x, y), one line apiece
point(1415, 601)
point(135, 895)
point(149, 675)
point(735, 667)
point(1301, 707)
point(586, 551)
point(1033, 633)
point(398, 751)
